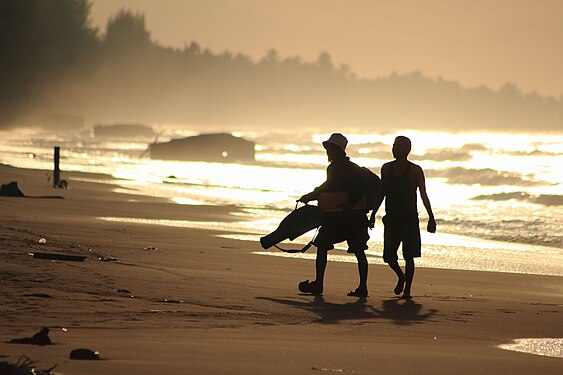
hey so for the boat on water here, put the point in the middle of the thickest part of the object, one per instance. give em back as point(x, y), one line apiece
point(211, 147)
point(123, 130)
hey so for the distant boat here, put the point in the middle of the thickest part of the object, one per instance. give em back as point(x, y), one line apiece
point(214, 147)
point(123, 130)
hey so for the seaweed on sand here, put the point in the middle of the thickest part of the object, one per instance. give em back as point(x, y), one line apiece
point(24, 366)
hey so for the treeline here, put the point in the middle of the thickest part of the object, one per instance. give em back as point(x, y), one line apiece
point(53, 61)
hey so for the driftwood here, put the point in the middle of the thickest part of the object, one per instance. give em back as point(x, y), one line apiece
point(54, 256)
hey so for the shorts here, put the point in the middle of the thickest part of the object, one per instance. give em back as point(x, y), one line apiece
point(397, 231)
point(352, 229)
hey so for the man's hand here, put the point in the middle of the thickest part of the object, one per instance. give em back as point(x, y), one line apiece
point(371, 223)
point(305, 199)
point(431, 225)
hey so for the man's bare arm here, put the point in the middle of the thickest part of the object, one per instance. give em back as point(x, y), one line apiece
point(380, 197)
point(421, 183)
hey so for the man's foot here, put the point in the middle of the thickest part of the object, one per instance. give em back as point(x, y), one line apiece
point(310, 287)
point(400, 285)
point(360, 293)
point(406, 295)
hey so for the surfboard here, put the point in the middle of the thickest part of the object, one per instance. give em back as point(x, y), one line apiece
point(298, 222)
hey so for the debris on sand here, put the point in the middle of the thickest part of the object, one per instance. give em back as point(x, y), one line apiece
point(24, 366)
point(39, 295)
point(54, 256)
point(107, 259)
point(84, 354)
point(40, 338)
point(10, 190)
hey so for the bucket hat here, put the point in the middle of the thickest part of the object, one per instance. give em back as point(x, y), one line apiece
point(338, 140)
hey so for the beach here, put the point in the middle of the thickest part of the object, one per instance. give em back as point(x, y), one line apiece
point(154, 298)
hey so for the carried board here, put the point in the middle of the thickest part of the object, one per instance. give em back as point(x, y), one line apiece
point(298, 222)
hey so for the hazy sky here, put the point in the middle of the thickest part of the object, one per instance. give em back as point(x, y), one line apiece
point(474, 42)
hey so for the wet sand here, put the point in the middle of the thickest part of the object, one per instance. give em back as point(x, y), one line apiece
point(183, 301)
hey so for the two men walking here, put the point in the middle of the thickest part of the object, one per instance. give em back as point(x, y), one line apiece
point(400, 181)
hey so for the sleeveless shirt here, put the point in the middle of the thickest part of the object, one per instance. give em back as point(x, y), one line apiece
point(400, 194)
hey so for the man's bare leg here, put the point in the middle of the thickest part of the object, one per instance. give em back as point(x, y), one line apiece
point(400, 276)
point(409, 273)
point(362, 271)
point(320, 264)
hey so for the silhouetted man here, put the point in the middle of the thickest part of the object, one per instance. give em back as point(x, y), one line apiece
point(349, 225)
point(401, 179)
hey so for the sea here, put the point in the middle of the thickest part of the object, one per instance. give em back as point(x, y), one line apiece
point(497, 197)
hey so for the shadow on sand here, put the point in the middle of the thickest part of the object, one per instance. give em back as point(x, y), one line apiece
point(399, 311)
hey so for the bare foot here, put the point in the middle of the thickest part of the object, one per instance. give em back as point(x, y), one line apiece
point(400, 285)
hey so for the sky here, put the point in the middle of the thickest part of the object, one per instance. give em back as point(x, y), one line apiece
point(474, 42)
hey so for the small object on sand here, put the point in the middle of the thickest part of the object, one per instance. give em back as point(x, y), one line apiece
point(172, 301)
point(41, 338)
point(84, 354)
point(42, 240)
point(53, 256)
point(327, 369)
point(151, 248)
point(107, 259)
point(63, 184)
point(39, 295)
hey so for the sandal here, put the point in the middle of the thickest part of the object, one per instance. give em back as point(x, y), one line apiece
point(360, 293)
point(310, 287)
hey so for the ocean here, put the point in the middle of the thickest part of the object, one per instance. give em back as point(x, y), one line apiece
point(497, 197)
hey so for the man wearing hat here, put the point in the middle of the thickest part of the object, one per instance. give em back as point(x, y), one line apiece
point(349, 225)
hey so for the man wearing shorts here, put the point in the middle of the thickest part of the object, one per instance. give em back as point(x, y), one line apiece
point(401, 179)
point(350, 226)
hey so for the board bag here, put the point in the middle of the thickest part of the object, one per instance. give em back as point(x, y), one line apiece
point(298, 222)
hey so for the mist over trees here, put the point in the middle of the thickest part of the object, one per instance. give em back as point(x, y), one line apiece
point(53, 62)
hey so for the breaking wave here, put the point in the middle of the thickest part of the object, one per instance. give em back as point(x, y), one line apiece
point(486, 177)
point(533, 232)
point(543, 199)
point(445, 154)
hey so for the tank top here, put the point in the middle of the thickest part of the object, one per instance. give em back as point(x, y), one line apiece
point(400, 194)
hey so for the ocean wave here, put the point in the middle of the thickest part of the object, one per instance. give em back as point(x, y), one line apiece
point(535, 152)
point(382, 151)
point(445, 154)
point(172, 180)
point(533, 232)
point(474, 147)
point(543, 199)
point(486, 177)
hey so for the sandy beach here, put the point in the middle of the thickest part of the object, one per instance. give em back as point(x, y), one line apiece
point(184, 301)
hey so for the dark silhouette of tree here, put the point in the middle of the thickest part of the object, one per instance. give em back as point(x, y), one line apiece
point(324, 62)
point(126, 33)
point(51, 60)
point(42, 44)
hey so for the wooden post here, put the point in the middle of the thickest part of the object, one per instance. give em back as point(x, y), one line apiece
point(56, 171)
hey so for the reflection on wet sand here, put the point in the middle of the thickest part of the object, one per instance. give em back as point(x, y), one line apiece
point(551, 347)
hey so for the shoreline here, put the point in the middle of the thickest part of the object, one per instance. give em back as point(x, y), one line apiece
point(184, 300)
